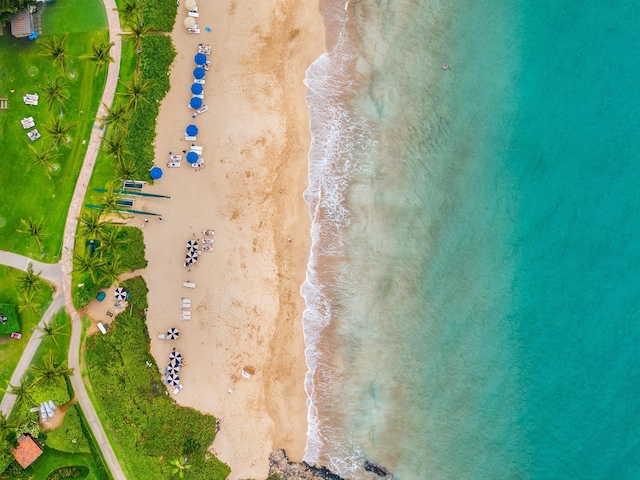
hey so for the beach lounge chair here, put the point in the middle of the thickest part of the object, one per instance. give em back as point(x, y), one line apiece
point(193, 30)
point(173, 164)
point(162, 336)
point(193, 14)
point(206, 49)
point(204, 108)
point(197, 148)
point(177, 389)
point(200, 96)
point(185, 317)
point(201, 81)
point(175, 158)
point(198, 164)
point(189, 285)
point(190, 138)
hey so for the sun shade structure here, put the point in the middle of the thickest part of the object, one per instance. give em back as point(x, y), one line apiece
point(192, 243)
point(200, 59)
point(189, 22)
point(198, 72)
point(175, 356)
point(195, 103)
point(120, 293)
point(192, 157)
point(173, 333)
point(156, 173)
point(190, 4)
point(196, 89)
point(192, 130)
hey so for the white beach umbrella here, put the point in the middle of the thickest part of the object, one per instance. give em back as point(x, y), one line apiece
point(190, 4)
point(189, 22)
point(175, 356)
point(173, 333)
point(120, 293)
point(192, 243)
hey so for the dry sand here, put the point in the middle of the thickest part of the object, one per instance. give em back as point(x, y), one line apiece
point(246, 308)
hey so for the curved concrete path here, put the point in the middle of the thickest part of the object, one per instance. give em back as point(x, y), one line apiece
point(71, 225)
point(60, 273)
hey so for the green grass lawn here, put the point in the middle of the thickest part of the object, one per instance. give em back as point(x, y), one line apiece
point(27, 190)
point(11, 350)
point(68, 16)
point(60, 449)
point(52, 459)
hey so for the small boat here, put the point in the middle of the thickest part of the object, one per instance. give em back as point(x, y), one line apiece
point(378, 469)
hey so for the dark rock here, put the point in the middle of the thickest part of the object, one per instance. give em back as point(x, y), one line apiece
point(280, 464)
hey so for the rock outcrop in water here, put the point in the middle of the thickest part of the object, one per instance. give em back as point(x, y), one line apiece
point(279, 464)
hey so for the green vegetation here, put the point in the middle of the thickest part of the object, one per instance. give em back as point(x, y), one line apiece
point(103, 252)
point(42, 178)
point(47, 379)
point(159, 15)
point(148, 428)
point(11, 324)
point(10, 293)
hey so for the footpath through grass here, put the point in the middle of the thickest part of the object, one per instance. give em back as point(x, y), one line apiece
point(148, 428)
point(11, 349)
point(70, 444)
point(30, 190)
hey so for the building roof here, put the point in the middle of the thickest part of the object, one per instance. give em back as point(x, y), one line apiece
point(21, 24)
point(27, 451)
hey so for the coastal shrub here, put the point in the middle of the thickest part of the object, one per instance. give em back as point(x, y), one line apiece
point(160, 14)
point(145, 422)
point(156, 58)
point(69, 437)
point(130, 251)
point(72, 471)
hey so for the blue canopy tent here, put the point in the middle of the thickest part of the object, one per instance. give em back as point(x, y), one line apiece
point(200, 59)
point(198, 73)
point(196, 89)
point(192, 157)
point(192, 130)
point(156, 173)
point(195, 102)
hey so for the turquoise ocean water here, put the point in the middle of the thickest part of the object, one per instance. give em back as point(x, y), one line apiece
point(473, 291)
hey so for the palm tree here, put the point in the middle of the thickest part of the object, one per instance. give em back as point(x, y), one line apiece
point(87, 262)
point(44, 158)
point(116, 116)
point(180, 466)
point(138, 31)
point(114, 146)
point(91, 224)
point(99, 53)
point(125, 169)
point(33, 228)
point(111, 270)
point(55, 49)
point(28, 302)
point(29, 280)
point(54, 90)
point(110, 201)
point(110, 239)
point(47, 372)
point(50, 330)
point(59, 130)
point(136, 89)
point(23, 392)
point(131, 9)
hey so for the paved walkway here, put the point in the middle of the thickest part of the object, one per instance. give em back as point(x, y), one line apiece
point(61, 273)
point(69, 240)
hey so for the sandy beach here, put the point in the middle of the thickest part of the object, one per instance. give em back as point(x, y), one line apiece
point(246, 308)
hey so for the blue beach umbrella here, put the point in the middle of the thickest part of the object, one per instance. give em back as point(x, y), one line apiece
point(195, 102)
point(192, 157)
point(200, 59)
point(156, 173)
point(196, 89)
point(192, 130)
point(198, 72)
